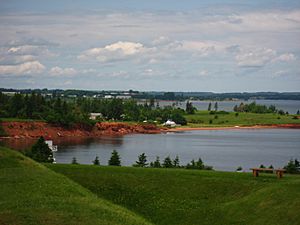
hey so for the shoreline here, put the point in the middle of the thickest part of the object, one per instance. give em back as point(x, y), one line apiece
point(33, 130)
point(237, 127)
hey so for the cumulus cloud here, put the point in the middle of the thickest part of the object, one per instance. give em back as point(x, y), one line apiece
point(255, 58)
point(27, 68)
point(116, 51)
point(287, 57)
point(58, 71)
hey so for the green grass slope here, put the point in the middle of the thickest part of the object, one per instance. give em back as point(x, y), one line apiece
point(202, 119)
point(193, 197)
point(32, 194)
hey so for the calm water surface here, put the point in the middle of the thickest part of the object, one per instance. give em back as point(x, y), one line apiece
point(222, 149)
point(291, 106)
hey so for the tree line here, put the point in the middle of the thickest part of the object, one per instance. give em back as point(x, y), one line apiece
point(115, 160)
point(69, 112)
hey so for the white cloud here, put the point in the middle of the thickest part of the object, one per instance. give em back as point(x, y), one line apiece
point(58, 71)
point(255, 58)
point(30, 50)
point(27, 68)
point(287, 57)
point(116, 51)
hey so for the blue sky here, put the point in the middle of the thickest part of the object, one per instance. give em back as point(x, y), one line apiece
point(220, 46)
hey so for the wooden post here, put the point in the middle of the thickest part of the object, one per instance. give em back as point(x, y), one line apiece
point(279, 173)
point(255, 173)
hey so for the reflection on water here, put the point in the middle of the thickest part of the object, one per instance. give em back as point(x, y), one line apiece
point(62, 142)
point(222, 149)
point(18, 144)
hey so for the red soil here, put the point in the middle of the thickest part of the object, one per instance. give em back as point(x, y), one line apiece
point(37, 129)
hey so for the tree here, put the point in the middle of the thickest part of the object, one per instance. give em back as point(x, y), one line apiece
point(156, 163)
point(41, 152)
point(293, 166)
point(190, 109)
point(96, 161)
point(74, 161)
point(209, 107)
point(216, 106)
point(298, 112)
point(167, 162)
point(196, 165)
point(142, 161)
point(114, 159)
point(176, 162)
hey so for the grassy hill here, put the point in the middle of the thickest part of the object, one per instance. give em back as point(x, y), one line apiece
point(205, 119)
point(32, 194)
point(172, 196)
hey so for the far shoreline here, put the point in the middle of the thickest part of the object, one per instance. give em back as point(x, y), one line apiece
point(237, 127)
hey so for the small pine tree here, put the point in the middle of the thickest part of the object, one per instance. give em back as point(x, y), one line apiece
point(114, 159)
point(167, 162)
point(156, 163)
point(209, 107)
point(176, 162)
point(216, 106)
point(293, 166)
point(96, 161)
point(41, 152)
point(298, 112)
point(199, 164)
point(74, 161)
point(142, 161)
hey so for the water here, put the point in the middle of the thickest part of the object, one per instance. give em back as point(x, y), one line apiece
point(222, 149)
point(291, 106)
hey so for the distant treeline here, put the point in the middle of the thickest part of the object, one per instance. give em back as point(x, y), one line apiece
point(177, 96)
point(256, 108)
point(68, 112)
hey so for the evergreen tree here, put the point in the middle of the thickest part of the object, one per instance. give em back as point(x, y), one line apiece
point(190, 109)
point(74, 161)
point(167, 162)
point(199, 164)
point(209, 107)
point(293, 166)
point(142, 161)
point(298, 112)
point(216, 106)
point(96, 161)
point(114, 159)
point(41, 152)
point(176, 162)
point(156, 163)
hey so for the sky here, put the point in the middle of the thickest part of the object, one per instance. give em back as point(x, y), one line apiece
point(157, 45)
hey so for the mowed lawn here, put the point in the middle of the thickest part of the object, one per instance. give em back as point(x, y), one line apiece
point(31, 194)
point(177, 196)
point(205, 119)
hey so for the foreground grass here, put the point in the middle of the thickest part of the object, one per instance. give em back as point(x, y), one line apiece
point(172, 196)
point(203, 118)
point(32, 194)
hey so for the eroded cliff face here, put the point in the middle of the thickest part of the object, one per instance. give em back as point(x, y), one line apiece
point(37, 129)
